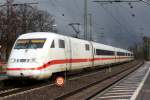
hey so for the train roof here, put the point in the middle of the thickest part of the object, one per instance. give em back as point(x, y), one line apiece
point(51, 34)
point(105, 47)
point(38, 35)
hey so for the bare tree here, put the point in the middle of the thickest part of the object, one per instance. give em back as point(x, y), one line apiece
point(18, 19)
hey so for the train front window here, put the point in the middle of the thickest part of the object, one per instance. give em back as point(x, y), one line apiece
point(36, 43)
point(29, 43)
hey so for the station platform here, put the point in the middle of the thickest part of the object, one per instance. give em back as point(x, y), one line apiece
point(136, 86)
point(144, 93)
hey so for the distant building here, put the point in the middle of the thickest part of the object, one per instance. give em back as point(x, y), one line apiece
point(146, 48)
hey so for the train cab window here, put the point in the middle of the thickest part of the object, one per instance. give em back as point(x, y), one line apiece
point(30, 43)
point(87, 47)
point(61, 44)
point(53, 44)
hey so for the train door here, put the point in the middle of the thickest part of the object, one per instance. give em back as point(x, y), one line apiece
point(92, 54)
point(63, 45)
point(115, 54)
point(118, 54)
point(67, 52)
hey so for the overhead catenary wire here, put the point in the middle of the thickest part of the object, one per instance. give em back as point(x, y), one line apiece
point(76, 3)
point(125, 19)
point(145, 2)
point(131, 27)
point(62, 16)
point(58, 10)
point(112, 16)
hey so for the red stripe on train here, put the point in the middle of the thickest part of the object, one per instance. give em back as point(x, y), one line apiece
point(54, 62)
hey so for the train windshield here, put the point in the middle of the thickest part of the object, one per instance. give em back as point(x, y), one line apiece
point(29, 43)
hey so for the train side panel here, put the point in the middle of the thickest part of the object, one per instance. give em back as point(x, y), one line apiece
point(59, 54)
point(103, 54)
point(81, 53)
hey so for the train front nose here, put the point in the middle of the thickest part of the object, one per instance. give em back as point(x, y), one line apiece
point(26, 56)
point(22, 67)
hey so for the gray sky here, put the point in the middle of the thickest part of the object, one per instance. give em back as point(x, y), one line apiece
point(115, 20)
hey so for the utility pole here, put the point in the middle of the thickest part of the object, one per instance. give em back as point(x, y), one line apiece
point(87, 22)
point(102, 1)
point(90, 26)
point(85, 19)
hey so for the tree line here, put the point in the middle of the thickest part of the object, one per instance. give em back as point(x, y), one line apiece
point(17, 19)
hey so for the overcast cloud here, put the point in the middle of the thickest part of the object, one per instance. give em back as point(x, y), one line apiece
point(120, 24)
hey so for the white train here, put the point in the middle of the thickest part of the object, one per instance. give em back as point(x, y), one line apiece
point(38, 55)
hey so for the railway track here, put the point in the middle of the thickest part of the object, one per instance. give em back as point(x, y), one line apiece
point(81, 93)
point(52, 91)
point(13, 90)
point(8, 90)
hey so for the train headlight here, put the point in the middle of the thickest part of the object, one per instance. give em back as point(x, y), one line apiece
point(12, 60)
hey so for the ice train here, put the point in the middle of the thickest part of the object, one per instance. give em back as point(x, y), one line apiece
point(39, 55)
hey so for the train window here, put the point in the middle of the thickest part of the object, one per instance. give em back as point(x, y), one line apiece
point(53, 44)
point(104, 52)
point(120, 53)
point(61, 44)
point(87, 47)
point(29, 43)
point(129, 54)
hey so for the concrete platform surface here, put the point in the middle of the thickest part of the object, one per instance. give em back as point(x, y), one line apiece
point(136, 86)
point(144, 93)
